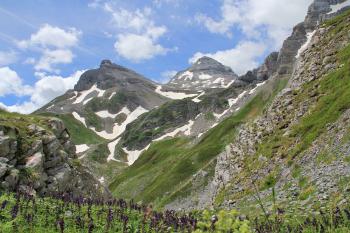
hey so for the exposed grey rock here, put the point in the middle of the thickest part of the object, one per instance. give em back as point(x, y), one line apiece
point(36, 161)
point(12, 179)
point(8, 147)
point(57, 127)
point(264, 72)
point(45, 165)
point(3, 169)
point(204, 74)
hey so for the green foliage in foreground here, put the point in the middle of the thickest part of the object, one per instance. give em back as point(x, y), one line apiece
point(24, 213)
point(64, 213)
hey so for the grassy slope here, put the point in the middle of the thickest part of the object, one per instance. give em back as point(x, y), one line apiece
point(165, 169)
point(334, 95)
point(333, 100)
point(78, 132)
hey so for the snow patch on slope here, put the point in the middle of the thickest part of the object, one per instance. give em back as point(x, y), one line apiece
point(79, 118)
point(306, 44)
point(111, 148)
point(197, 100)
point(186, 130)
point(204, 76)
point(119, 129)
point(231, 102)
point(106, 113)
point(134, 155)
point(186, 75)
point(173, 95)
point(229, 84)
point(83, 94)
point(81, 148)
point(111, 96)
point(257, 86)
point(337, 7)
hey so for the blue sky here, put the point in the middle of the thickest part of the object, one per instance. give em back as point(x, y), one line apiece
point(45, 44)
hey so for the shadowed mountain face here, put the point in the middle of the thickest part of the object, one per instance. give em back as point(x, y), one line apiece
point(110, 75)
point(104, 97)
point(204, 74)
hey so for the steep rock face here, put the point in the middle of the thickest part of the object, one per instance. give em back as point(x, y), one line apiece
point(204, 74)
point(296, 146)
point(290, 48)
point(286, 116)
point(273, 149)
point(37, 156)
point(262, 73)
point(318, 11)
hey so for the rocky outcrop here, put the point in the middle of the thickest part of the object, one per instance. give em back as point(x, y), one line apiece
point(37, 156)
point(205, 73)
point(268, 151)
point(289, 50)
point(317, 12)
point(263, 72)
point(286, 112)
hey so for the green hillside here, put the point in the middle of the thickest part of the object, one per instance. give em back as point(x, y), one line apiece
point(164, 170)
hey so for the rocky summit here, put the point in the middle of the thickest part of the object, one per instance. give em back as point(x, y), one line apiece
point(204, 74)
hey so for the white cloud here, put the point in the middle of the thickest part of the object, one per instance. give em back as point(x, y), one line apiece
point(241, 58)
point(167, 75)
point(49, 87)
point(54, 44)
point(230, 13)
point(274, 17)
point(160, 3)
point(95, 3)
point(138, 47)
point(11, 83)
point(51, 57)
point(136, 20)
point(43, 91)
point(138, 35)
point(262, 26)
point(50, 36)
point(7, 58)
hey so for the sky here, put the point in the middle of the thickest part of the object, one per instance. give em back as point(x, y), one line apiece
point(45, 45)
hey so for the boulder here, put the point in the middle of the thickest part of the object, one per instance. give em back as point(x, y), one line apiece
point(12, 179)
point(57, 127)
point(3, 169)
point(35, 161)
point(52, 147)
point(8, 147)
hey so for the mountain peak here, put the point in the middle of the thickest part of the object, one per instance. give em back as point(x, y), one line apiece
point(105, 62)
point(206, 59)
point(110, 75)
point(205, 73)
point(208, 63)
